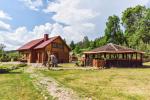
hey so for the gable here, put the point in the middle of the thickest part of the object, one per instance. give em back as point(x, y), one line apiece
point(59, 40)
point(58, 44)
point(45, 43)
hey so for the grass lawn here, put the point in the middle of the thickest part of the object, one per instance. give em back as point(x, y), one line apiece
point(17, 85)
point(147, 64)
point(67, 65)
point(108, 84)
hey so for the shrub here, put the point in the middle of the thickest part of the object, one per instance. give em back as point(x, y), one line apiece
point(22, 65)
point(4, 58)
point(5, 69)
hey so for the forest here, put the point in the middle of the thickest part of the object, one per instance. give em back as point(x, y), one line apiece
point(134, 34)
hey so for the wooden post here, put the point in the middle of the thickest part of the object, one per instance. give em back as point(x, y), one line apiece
point(93, 56)
point(105, 55)
point(126, 56)
point(136, 56)
point(38, 56)
point(109, 56)
point(141, 57)
point(123, 56)
point(131, 56)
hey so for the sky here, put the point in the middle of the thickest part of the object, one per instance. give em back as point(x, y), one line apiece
point(24, 20)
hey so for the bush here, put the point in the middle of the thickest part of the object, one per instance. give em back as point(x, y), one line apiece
point(5, 69)
point(4, 58)
point(22, 65)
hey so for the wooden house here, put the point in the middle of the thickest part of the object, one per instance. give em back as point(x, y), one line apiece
point(36, 51)
point(112, 55)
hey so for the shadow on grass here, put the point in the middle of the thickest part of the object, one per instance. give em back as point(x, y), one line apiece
point(145, 66)
point(10, 72)
point(142, 67)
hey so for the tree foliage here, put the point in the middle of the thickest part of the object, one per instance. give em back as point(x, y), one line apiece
point(113, 32)
point(136, 21)
point(72, 45)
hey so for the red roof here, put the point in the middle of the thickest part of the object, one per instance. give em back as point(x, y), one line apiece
point(31, 44)
point(45, 43)
point(38, 44)
point(112, 48)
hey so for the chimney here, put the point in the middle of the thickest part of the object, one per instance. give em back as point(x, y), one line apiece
point(45, 37)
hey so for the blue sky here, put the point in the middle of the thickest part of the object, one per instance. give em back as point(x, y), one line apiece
point(22, 16)
point(24, 20)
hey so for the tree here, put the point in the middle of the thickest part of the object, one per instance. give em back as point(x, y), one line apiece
point(92, 44)
point(64, 40)
point(113, 32)
point(86, 42)
point(144, 29)
point(133, 21)
point(2, 46)
point(77, 49)
point(131, 17)
point(72, 45)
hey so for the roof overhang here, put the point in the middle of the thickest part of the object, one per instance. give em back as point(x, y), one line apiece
point(113, 52)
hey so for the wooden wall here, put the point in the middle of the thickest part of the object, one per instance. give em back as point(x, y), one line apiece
point(62, 54)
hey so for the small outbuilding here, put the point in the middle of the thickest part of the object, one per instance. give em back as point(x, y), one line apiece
point(112, 55)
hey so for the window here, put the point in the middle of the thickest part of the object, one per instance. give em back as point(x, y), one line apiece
point(57, 45)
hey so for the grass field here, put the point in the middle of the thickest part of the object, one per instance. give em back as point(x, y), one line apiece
point(147, 64)
point(108, 84)
point(17, 85)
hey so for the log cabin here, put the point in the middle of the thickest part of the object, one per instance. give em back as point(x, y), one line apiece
point(37, 51)
point(112, 55)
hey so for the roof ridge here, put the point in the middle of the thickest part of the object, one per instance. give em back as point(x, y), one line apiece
point(114, 47)
point(126, 47)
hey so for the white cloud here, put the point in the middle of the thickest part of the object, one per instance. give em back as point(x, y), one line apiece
point(4, 26)
point(4, 15)
point(148, 4)
point(18, 37)
point(86, 17)
point(77, 17)
point(33, 4)
point(69, 12)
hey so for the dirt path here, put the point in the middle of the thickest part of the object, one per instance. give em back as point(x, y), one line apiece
point(51, 86)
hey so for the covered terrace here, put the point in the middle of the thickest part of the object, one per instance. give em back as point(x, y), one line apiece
point(112, 55)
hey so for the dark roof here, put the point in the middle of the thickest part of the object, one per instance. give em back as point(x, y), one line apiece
point(31, 44)
point(113, 48)
point(45, 43)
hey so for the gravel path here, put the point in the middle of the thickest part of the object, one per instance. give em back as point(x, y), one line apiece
point(51, 85)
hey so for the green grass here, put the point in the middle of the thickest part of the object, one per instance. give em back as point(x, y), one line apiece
point(147, 64)
point(17, 85)
point(66, 65)
point(108, 84)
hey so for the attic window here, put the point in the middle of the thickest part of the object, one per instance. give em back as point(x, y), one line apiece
point(57, 45)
